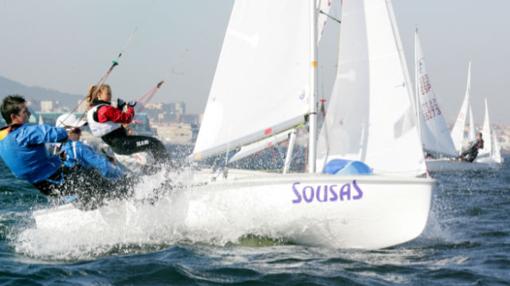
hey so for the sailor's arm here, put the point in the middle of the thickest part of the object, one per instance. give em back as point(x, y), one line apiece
point(110, 113)
point(40, 134)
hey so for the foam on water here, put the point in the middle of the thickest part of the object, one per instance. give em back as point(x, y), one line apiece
point(138, 223)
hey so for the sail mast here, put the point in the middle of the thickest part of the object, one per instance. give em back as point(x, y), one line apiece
point(312, 118)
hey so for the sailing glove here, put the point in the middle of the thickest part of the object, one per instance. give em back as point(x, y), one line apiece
point(131, 103)
point(120, 104)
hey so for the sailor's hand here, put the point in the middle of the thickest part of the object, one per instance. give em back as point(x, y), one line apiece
point(120, 103)
point(131, 103)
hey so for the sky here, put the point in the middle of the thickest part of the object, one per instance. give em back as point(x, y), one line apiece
point(67, 45)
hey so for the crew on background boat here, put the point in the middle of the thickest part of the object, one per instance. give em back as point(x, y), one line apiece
point(470, 154)
point(106, 121)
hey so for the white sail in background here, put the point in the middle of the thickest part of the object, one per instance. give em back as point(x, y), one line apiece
point(486, 135)
point(370, 116)
point(471, 131)
point(435, 134)
point(460, 124)
point(263, 67)
point(496, 149)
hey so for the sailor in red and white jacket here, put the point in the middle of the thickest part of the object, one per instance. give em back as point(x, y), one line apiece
point(106, 121)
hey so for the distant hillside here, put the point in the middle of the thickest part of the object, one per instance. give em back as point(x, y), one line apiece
point(36, 94)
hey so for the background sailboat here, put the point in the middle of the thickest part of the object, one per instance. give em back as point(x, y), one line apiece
point(491, 152)
point(435, 134)
point(484, 160)
point(458, 132)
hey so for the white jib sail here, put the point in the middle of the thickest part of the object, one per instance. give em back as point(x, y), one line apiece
point(460, 124)
point(471, 132)
point(435, 134)
point(370, 116)
point(486, 135)
point(261, 80)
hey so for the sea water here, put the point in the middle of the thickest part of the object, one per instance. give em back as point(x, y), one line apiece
point(145, 242)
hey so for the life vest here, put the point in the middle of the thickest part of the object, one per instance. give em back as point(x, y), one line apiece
point(99, 129)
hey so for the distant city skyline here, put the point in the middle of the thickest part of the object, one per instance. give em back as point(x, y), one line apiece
point(67, 45)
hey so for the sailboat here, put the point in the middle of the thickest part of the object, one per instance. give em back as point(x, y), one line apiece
point(460, 138)
point(435, 134)
point(265, 84)
point(491, 152)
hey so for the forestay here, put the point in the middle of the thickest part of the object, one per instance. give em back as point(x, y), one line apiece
point(262, 77)
point(435, 134)
point(460, 124)
point(370, 116)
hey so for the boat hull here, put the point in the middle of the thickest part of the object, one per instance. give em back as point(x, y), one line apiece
point(367, 212)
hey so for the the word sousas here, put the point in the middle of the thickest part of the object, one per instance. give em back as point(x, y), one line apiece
point(326, 193)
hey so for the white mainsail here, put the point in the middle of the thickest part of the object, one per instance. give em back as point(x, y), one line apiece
point(263, 66)
point(460, 124)
point(435, 134)
point(370, 116)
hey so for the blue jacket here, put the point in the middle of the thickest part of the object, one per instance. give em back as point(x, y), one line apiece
point(24, 152)
point(78, 153)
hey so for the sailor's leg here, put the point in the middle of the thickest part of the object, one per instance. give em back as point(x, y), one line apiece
point(134, 144)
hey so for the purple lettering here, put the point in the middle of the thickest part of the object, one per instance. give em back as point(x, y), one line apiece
point(345, 191)
point(296, 192)
point(359, 194)
point(325, 197)
point(308, 199)
point(334, 195)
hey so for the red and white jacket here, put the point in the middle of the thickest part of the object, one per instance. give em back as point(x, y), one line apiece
point(104, 118)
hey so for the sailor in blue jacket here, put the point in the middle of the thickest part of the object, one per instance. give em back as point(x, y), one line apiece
point(80, 155)
point(22, 146)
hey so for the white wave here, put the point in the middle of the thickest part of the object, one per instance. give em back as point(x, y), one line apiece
point(176, 215)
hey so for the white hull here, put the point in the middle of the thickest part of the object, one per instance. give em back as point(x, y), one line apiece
point(447, 165)
point(366, 212)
